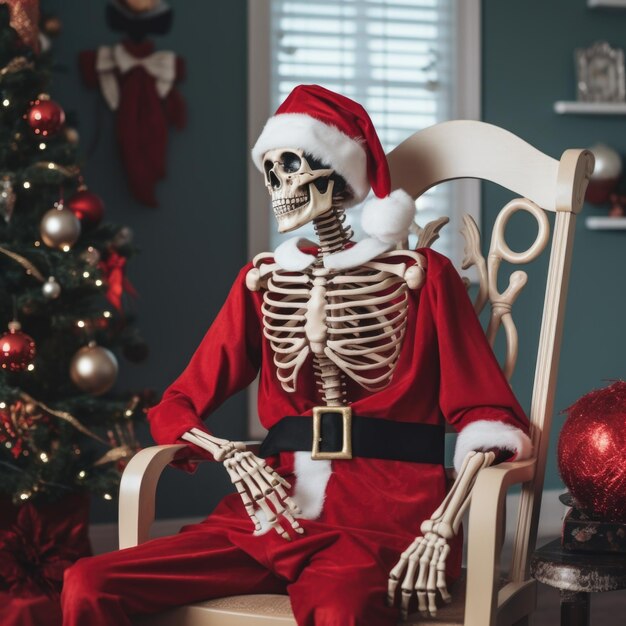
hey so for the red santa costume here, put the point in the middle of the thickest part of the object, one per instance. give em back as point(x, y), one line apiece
point(358, 514)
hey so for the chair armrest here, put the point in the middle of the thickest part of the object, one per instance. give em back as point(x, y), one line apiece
point(486, 527)
point(138, 490)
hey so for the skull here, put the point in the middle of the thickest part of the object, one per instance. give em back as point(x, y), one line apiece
point(299, 192)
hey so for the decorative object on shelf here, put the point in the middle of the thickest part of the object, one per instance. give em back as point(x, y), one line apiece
point(600, 73)
point(60, 228)
point(94, 369)
point(618, 205)
point(592, 453)
point(45, 116)
point(87, 206)
point(606, 174)
point(17, 349)
point(7, 197)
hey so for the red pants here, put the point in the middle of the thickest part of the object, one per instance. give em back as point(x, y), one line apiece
point(334, 576)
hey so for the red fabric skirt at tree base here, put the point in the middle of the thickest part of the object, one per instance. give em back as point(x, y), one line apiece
point(37, 543)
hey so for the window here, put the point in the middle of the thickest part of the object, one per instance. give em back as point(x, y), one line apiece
point(410, 63)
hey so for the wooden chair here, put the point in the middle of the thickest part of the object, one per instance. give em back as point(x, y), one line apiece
point(451, 150)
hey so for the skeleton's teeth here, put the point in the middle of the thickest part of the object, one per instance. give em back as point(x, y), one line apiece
point(286, 205)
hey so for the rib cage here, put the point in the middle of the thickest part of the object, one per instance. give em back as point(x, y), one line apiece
point(350, 323)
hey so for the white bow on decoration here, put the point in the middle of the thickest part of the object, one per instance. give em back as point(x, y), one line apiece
point(160, 65)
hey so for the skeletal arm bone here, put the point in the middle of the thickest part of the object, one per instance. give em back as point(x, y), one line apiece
point(421, 570)
point(258, 485)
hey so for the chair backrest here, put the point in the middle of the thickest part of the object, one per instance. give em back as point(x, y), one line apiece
point(470, 149)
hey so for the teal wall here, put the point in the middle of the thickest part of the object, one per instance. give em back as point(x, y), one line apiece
point(528, 64)
point(201, 222)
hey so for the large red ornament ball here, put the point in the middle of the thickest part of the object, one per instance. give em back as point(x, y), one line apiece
point(45, 117)
point(87, 207)
point(17, 349)
point(592, 452)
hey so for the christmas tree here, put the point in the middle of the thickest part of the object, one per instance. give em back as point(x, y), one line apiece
point(62, 280)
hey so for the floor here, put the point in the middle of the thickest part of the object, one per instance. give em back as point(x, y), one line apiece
point(607, 609)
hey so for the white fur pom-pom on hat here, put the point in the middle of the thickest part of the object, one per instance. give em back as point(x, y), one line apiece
point(389, 219)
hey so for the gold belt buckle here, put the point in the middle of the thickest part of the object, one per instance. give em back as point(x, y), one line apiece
point(346, 448)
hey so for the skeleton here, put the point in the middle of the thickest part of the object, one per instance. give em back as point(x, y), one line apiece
point(351, 323)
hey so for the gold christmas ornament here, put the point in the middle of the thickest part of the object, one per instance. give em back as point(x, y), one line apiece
point(94, 369)
point(60, 228)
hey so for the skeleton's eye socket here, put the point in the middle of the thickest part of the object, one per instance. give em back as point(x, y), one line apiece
point(267, 166)
point(291, 162)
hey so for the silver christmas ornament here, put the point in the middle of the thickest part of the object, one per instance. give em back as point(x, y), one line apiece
point(51, 289)
point(93, 369)
point(60, 228)
point(7, 198)
point(608, 162)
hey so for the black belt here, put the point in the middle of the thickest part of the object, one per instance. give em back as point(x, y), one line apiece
point(343, 436)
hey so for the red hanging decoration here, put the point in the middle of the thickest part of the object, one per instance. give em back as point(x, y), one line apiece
point(87, 206)
point(592, 452)
point(45, 116)
point(117, 283)
point(17, 349)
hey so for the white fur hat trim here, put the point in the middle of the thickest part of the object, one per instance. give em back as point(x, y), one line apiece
point(323, 141)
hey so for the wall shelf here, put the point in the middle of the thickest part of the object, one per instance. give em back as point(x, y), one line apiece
point(590, 108)
point(606, 223)
point(607, 3)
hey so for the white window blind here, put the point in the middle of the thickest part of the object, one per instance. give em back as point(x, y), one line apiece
point(395, 57)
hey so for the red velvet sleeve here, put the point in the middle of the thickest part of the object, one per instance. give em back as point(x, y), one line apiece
point(472, 385)
point(226, 361)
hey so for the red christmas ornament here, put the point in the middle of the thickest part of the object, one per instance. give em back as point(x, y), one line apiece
point(45, 117)
point(592, 452)
point(87, 207)
point(17, 349)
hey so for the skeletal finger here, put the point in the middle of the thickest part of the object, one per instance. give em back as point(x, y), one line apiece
point(413, 563)
point(397, 571)
point(274, 478)
point(431, 584)
point(250, 484)
point(252, 469)
point(420, 585)
point(441, 574)
point(272, 519)
point(408, 583)
point(247, 502)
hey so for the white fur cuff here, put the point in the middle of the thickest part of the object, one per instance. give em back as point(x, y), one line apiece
point(289, 256)
point(485, 434)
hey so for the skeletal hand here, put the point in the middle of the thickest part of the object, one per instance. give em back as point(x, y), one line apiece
point(260, 487)
point(421, 570)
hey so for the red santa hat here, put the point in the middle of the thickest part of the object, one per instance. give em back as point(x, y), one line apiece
point(338, 131)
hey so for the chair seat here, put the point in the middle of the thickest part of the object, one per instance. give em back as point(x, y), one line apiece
point(266, 609)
